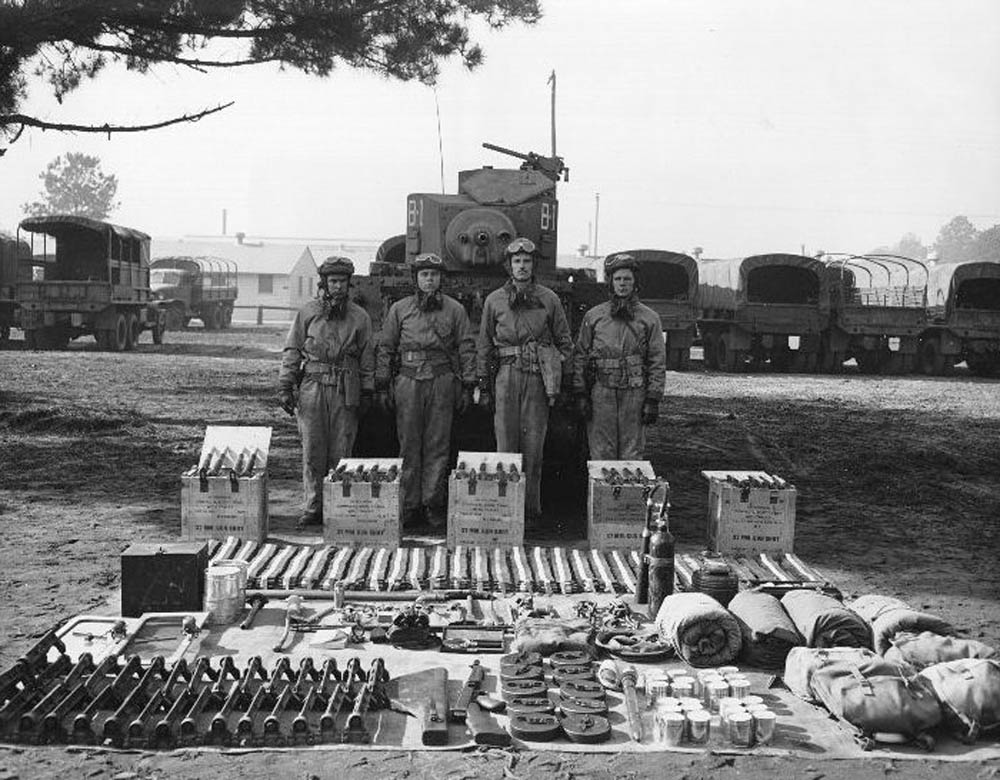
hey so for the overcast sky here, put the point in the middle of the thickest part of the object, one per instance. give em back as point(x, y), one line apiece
point(738, 126)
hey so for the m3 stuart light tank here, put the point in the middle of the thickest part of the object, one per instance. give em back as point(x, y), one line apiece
point(469, 231)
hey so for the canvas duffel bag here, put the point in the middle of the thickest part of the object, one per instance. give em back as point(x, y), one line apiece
point(927, 648)
point(969, 691)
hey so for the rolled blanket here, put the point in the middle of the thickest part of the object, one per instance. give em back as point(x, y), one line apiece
point(889, 616)
point(700, 629)
point(927, 648)
point(768, 632)
point(825, 622)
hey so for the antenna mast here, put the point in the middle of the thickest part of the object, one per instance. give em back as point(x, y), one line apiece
point(552, 81)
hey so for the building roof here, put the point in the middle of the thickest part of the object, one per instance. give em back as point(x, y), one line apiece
point(264, 255)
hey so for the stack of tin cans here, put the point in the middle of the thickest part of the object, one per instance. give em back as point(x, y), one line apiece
point(693, 708)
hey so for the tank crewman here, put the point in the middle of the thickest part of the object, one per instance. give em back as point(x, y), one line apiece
point(329, 358)
point(426, 370)
point(525, 338)
point(619, 366)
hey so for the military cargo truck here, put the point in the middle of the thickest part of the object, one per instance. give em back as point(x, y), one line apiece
point(963, 308)
point(15, 266)
point(98, 285)
point(189, 287)
point(762, 309)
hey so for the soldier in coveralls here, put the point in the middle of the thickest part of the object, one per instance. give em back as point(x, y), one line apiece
point(619, 366)
point(329, 358)
point(525, 336)
point(426, 371)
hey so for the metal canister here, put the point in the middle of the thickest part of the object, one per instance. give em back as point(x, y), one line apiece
point(338, 594)
point(690, 703)
point(739, 687)
point(764, 722)
point(727, 670)
point(682, 687)
point(715, 692)
point(749, 701)
point(669, 727)
point(741, 728)
point(699, 727)
point(657, 690)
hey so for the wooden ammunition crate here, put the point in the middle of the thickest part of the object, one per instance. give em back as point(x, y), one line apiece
point(355, 513)
point(221, 506)
point(492, 515)
point(752, 520)
point(616, 513)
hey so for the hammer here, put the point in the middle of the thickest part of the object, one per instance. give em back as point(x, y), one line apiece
point(256, 601)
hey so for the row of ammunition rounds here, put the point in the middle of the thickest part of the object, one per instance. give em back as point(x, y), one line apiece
point(363, 473)
point(133, 706)
point(625, 476)
point(759, 480)
point(500, 473)
point(514, 569)
point(213, 463)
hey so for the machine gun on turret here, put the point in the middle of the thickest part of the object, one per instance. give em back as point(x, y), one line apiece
point(552, 167)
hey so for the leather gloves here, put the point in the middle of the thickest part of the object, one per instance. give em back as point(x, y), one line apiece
point(464, 400)
point(385, 402)
point(650, 411)
point(286, 400)
point(583, 407)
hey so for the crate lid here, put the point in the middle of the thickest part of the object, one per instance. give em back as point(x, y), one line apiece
point(234, 439)
point(594, 467)
point(491, 459)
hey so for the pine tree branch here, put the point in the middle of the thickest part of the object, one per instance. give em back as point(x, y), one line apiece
point(6, 120)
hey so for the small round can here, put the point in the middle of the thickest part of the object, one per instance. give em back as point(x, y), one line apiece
point(698, 727)
point(682, 687)
point(739, 687)
point(764, 722)
point(755, 708)
point(675, 671)
point(690, 703)
point(749, 701)
point(728, 703)
point(715, 692)
point(725, 670)
point(741, 728)
point(669, 727)
point(657, 691)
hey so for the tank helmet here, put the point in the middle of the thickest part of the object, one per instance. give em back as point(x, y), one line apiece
point(427, 260)
point(337, 266)
point(617, 262)
point(521, 246)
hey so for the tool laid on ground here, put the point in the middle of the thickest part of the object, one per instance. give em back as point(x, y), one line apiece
point(467, 709)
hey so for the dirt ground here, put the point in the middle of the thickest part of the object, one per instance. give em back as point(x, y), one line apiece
point(898, 480)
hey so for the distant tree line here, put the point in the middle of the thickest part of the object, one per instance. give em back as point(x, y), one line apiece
point(957, 240)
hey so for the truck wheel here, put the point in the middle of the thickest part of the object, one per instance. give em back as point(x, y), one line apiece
point(158, 328)
point(227, 317)
point(120, 334)
point(208, 317)
point(31, 339)
point(781, 358)
point(4, 332)
point(869, 361)
point(728, 359)
point(981, 365)
point(932, 362)
point(708, 348)
point(683, 359)
point(132, 337)
point(175, 318)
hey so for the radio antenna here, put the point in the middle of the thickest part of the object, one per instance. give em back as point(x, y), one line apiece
point(437, 110)
point(552, 81)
